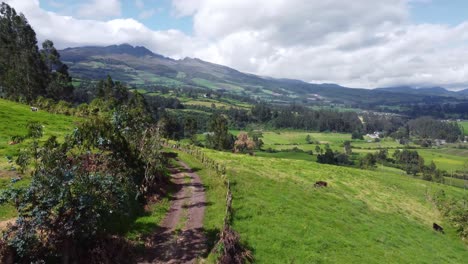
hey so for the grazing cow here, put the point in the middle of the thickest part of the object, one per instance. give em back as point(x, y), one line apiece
point(319, 184)
point(34, 109)
point(438, 228)
point(12, 143)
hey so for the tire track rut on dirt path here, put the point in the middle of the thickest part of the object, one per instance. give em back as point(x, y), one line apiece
point(180, 237)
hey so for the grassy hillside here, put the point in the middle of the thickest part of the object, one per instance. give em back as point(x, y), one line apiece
point(14, 117)
point(362, 217)
point(140, 67)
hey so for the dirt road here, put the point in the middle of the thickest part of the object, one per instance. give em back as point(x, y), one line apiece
point(180, 238)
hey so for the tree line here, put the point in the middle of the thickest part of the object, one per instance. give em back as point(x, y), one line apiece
point(26, 71)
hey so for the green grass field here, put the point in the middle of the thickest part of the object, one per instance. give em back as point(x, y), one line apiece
point(362, 217)
point(464, 124)
point(288, 139)
point(287, 155)
point(208, 103)
point(14, 117)
point(446, 158)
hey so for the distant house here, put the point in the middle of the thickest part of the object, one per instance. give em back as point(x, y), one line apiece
point(375, 135)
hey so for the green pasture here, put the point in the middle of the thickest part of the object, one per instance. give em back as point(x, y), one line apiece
point(362, 217)
point(14, 117)
point(464, 124)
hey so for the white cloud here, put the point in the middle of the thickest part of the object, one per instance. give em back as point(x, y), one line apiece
point(67, 31)
point(99, 9)
point(363, 43)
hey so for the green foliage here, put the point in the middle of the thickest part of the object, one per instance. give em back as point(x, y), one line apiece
point(68, 204)
point(409, 160)
point(60, 84)
point(86, 188)
point(190, 129)
point(34, 130)
point(23, 74)
point(220, 138)
point(368, 161)
point(357, 135)
point(257, 138)
point(455, 210)
point(347, 147)
point(26, 72)
point(23, 161)
point(170, 127)
point(261, 112)
point(426, 127)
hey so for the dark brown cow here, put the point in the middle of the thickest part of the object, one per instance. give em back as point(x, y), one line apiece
point(319, 184)
point(438, 228)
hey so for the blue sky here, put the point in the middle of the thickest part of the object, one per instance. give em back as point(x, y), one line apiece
point(155, 14)
point(450, 12)
point(355, 43)
point(159, 14)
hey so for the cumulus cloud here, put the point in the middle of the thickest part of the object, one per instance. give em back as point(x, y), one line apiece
point(67, 31)
point(99, 9)
point(363, 43)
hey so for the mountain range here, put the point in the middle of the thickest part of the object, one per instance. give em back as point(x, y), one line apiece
point(142, 68)
point(438, 91)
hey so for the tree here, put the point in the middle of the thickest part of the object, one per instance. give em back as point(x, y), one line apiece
point(409, 160)
point(50, 55)
point(190, 129)
point(308, 139)
point(318, 150)
point(357, 135)
point(23, 74)
point(347, 147)
point(169, 127)
point(368, 161)
point(382, 155)
point(261, 112)
point(328, 157)
point(244, 144)
point(76, 194)
point(219, 138)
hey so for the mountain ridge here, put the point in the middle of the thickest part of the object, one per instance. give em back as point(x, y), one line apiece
point(141, 67)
